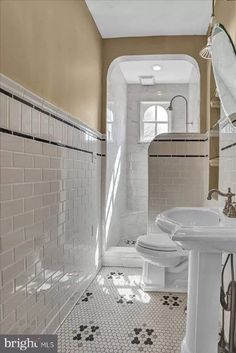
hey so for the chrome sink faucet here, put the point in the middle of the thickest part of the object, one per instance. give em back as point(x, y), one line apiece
point(229, 208)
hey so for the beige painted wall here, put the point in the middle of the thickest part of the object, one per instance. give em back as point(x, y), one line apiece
point(189, 45)
point(59, 54)
point(54, 49)
point(226, 14)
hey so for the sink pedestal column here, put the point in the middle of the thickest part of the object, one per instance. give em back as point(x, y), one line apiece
point(202, 331)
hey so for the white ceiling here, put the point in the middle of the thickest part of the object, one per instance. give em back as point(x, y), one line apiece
point(172, 71)
point(132, 18)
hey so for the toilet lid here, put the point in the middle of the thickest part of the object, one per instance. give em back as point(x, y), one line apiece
point(159, 241)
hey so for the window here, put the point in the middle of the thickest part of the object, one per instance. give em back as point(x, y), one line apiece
point(153, 120)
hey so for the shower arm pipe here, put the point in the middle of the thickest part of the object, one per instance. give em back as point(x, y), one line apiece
point(211, 24)
point(186, 113)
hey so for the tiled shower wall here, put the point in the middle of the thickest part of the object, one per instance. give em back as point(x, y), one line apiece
point(177, 170)
point(137, 153)
point(50, 233)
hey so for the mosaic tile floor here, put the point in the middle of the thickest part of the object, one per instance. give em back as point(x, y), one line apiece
point(115, 316)
point(127, 242)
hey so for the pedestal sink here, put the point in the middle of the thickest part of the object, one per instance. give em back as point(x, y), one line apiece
point(206, 233)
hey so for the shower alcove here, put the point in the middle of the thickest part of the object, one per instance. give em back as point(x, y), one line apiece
point(136, 94)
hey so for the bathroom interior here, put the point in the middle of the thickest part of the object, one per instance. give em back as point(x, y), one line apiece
point(118, 175)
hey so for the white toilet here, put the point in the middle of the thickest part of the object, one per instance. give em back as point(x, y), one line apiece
point(165, 267)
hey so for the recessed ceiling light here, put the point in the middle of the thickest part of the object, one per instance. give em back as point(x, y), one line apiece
point(156, 68)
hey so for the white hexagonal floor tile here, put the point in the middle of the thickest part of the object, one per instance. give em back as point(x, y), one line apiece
point(115, 316)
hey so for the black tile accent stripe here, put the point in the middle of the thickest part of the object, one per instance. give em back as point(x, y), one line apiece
point(22, 135)
point(229, 146)
point(180, 140)
point(5, 131)
point(41, 140)
point(10, 132)
point(3, 91)
point(179, 155)
point(19, 99)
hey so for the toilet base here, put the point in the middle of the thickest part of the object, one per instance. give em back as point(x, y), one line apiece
point(161, 279)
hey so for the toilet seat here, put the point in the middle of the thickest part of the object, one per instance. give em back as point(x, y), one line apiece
point(159, 249)
point(157, 242)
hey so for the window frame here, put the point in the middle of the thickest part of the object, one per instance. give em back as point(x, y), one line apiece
point(144, 105)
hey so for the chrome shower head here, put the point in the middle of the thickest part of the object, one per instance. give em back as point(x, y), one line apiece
point(205, 53)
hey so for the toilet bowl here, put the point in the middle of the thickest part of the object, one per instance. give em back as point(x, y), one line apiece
point(158, 249)
point(165, 267)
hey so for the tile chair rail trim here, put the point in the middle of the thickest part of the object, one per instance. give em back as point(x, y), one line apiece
point(180, 140)
point(38, 139)
point(44, 111)
point(228, 146)
point(179, 155)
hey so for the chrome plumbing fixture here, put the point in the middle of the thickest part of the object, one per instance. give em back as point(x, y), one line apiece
point(229, 208)
point(206, 51)
point(170, 108)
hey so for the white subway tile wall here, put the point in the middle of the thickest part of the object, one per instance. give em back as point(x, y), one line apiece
point(137, 153)
point(50, 216)
point(127, 210)
point(177, 173)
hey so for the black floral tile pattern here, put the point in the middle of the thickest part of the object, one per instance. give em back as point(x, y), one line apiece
point(143, 337)
point(85, 333)
point(127, 242)
point(86, 297)
point(130, 242)
point(115, 316)
point(126, 299)
point(171, 300)
point(115, 275)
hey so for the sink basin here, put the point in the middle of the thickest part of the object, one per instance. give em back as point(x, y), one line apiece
point(206, 233)
point(199, 228)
